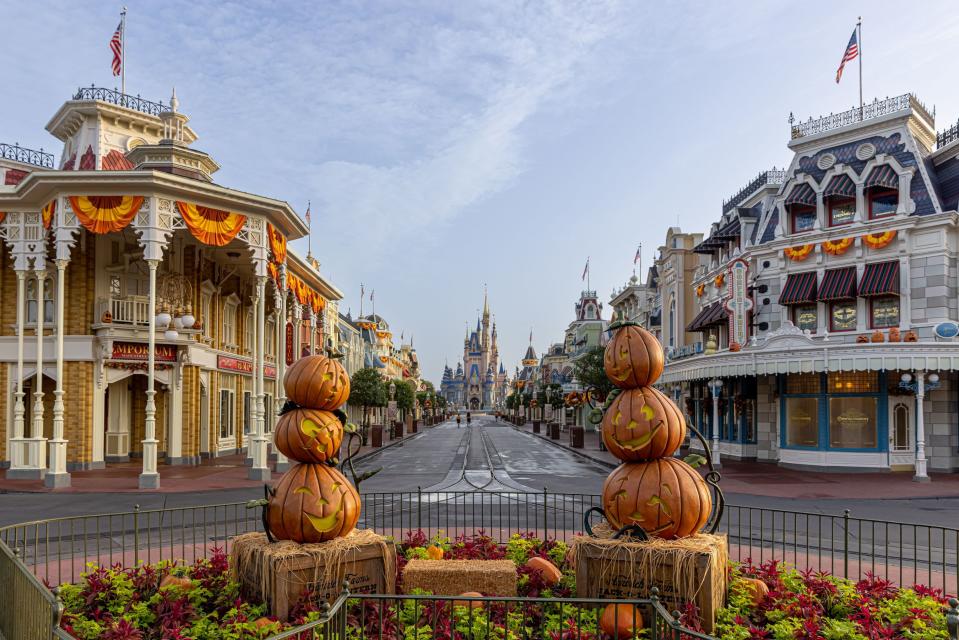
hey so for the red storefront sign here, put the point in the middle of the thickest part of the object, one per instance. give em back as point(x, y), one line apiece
point(140, 352)
point(289, 343)
point(241, 365)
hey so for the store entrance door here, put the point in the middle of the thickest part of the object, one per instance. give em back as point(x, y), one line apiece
point(902, 439)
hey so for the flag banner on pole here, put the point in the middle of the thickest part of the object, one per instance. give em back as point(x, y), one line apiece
point(307, 215)
point(852, 50)
point(372, 291)
point(639, 252)
point(116, 46)
point(586, 270)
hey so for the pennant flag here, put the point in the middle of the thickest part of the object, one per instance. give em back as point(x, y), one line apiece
point(852, 50)
point(116, 46)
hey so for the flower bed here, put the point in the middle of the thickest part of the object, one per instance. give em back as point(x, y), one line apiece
point(146, 603)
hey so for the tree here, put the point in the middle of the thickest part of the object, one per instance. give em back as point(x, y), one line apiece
point(367, 389)
point(405, 396)
point(590, 372)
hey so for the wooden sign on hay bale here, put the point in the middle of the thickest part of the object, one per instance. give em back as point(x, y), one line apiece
point(453, 577)
point(691, 569)
point(280, 572)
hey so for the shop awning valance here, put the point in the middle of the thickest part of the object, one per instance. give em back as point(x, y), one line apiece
point(841, 185)
point(697, 323)
point(800, 288)
point(802, 194)
point(214, 227)
point(708, 316)
point(883, 176)
point(838, 284)
point(880, 279)
point(730, 231)
point(105, 214)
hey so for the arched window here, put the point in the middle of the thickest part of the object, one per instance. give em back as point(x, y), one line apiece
point(590, 312)
point(48, 293)
point(672, 323)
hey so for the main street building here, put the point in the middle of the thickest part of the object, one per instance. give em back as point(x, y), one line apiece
point(146, 310)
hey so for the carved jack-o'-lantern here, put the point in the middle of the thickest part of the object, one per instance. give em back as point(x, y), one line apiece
point(317, 382)
point(642, 424)
point(633, 358)
point(308, 435)
point(666, 497)
point(313, 503)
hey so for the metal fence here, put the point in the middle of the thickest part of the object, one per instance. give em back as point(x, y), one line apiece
point(57, 550)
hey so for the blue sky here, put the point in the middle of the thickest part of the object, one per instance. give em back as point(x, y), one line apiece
point(450, 145)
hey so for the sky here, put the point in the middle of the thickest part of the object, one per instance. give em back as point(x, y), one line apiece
point(448, 146)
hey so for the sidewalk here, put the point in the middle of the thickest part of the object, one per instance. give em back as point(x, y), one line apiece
point(225, 472)
point(770, 480)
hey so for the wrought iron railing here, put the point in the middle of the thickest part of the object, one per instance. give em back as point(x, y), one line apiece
point(120, 99)
point(771, 176)
point(27, 156)
point(874, 109)
point(949, 135)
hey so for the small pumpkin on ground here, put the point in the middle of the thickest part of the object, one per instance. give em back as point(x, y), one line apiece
point(472, 604)
point(174, 581)
point(434, 552)
point(757, 590)
point(621, 621)
point(550, 572)
point(317, 382)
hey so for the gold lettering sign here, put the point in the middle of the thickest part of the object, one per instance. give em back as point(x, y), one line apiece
point(139, 352)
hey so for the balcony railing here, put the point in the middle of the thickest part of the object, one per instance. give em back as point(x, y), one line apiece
point(949, 135)
point(772, 176)
point(120, 99)
point(27, 156)
point(130, 310)
point(874, 109)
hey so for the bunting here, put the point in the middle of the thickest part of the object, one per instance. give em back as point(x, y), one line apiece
point(273, 271)
point(837, 247)
point(214, 227)
point(48, 212)
point(798, 253)
point(277, 244)
point(879, 240)
point(3, 216)
point(105, 214)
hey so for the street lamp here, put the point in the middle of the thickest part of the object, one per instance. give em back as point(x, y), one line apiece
point(549, 395)
point(918, 386)
point(716, 385)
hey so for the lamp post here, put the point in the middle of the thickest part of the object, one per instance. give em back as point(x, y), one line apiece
point(716, 385)
point(918, 387)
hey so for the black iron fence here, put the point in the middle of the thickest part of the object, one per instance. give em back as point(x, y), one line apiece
point(120, 99)
point(27, 156)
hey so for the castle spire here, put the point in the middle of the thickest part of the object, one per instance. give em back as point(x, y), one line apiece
point(485, 303)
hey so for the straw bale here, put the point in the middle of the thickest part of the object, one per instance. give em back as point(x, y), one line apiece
point(453, 577)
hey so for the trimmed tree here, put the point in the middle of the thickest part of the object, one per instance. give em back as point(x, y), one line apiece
point(589, 372)
point(367, 389)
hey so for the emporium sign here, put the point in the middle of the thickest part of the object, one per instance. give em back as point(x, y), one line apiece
point(242, 365)
point(738, 303)
point(139, 352)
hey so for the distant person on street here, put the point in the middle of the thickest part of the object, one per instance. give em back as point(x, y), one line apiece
point(457, 422)
point(468, 418)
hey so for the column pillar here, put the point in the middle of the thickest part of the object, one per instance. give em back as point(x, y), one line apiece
point(312, 332)
point(297, 338)
point(149, 477)
point(17, 461)
point(282, 463)
point(921, 473)
point(36, 449)
point(260, 469)
point(716, 386)
point(57, 475)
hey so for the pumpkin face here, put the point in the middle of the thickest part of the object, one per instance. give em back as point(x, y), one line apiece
point(313, 503)
point(666, 497)
point(317, 382)
point(643, 424)
point(633, 358)
point(308, 435)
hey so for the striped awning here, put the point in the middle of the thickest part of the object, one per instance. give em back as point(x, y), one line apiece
point(841, 185)
point(802, 194)
point(800, 288)
point(882, 176)
point(880, 279)
point(708, 316)
point(838, 284)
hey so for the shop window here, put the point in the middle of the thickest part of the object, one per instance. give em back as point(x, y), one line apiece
point(852, 422)
point(802, 383)
point(247, 413)
point(268, 417)
point(206, 315)
point(842, 316)
point(802, 422)
point(841, 211)
point(803, 217)
point(48, 293)
point(884, 312)
point(883, 203)
point(229, 324)
point(853, 382)
point(227, 413)
point(806, 317)
point(269, 339)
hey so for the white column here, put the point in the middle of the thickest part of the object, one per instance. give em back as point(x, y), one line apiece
point(715, 452)
point(312, 332)
point(17, 466)
point(260, 469)
point(150, 478)
point(36, 449)
point(57, 475)
point(282, 463)
point(174, 453)
point(921, 474)
point(297, 338)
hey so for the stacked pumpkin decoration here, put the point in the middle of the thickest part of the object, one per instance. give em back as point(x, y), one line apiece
point(643, 427)
point(313, 501)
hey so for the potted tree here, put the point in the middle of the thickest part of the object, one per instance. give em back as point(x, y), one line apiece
point(368, 390)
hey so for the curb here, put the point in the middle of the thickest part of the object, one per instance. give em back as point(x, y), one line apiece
point(581, 454)
point(370, 454)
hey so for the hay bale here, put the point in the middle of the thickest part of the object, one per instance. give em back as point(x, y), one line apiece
point(279, 573)
point(453, 577)
point(691, 569)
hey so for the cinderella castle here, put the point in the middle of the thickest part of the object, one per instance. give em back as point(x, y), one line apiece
point(479, 381)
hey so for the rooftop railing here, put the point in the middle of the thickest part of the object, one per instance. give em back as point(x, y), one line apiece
point(949, 135)
point(874, 109)
point(772, 176)
point(27, 156)
point(120, 99)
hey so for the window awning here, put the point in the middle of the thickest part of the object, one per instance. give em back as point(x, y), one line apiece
point(882, 176)
point(802, 194)
point(730, 231)
point(800, 288)
point(838, 284)
point(708, 316)
point(841, 185)
point(880, 279)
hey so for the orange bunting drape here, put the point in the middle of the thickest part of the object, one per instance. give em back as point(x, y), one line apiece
point(214, 227)
point(277, 244)
point(105, 214)
point(837, 247)
point(273, 271)
point(304, 294)
point(879, 240)
point(3, 216)
point(47, 213)
point(798, 253)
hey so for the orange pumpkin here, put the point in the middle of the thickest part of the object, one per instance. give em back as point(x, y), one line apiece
point(735, 346)
point(878, 336)
point(894, 335)
point(621, 621)
point(666, 497)
point(313, 503)
point(756, 588)
point(472, 604)
point(911, 336)
point(174, 581)
point(642, 424)
point(317, 382)
point(550, 572)
point(308, 435)
point(434, 553)
point(633, 358)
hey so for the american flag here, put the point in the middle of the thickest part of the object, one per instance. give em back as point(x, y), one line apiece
point(586, 270)
point(116, 46)
point(852, 50)
point(307, 216)
point(639, 253)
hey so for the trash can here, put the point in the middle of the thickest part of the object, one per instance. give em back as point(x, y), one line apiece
point(399, 428)
point(376, 435)
point(554, 430)
point(535, 426)
point(576, 437)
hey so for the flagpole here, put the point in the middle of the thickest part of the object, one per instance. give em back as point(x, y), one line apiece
point(123, 50)
point(859, 34)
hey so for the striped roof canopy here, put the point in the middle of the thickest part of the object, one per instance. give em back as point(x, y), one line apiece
point(800, 288)
point(883, 176)
point(802, 194)
point(838, 284)
point(880, 279)
point(708, 316)
point(840, 185)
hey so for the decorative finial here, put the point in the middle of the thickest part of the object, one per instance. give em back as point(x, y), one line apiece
point(174, 103)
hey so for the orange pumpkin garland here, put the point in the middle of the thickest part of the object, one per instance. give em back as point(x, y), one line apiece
point(633, 358)
point(317, 382)
point(308, 435)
